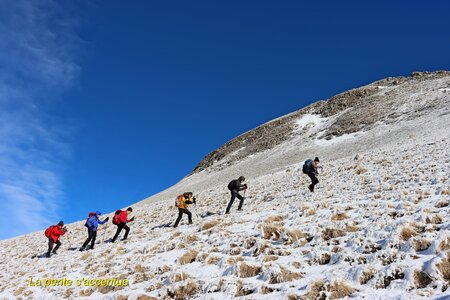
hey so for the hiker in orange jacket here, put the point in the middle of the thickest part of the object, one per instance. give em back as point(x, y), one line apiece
point(53, 233)
point(121, 219)
point(182, 202)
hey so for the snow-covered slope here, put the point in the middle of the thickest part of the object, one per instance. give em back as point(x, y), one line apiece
point(376, 228)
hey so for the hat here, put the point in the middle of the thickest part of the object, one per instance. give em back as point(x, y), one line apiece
point(316, 159)
point(130, 208)
point(61, 223)
point(241, 178)
point(98, 213)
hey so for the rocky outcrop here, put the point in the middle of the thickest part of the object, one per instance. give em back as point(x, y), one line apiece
point(355, 110)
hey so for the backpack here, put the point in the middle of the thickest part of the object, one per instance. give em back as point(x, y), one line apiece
point(307, 166)
point(49, 230)
point(231, 185)
point(90, 215)
point(179, 201)
point(115, 219)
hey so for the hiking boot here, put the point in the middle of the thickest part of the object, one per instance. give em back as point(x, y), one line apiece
point(311, 188)
point(48, 254)
point(54, 253)
point(81, 249)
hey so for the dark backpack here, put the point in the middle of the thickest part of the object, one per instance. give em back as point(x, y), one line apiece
point(90, 215)
point(307, 166)
point(115, 219)
point(49, 230)
point(232, 185)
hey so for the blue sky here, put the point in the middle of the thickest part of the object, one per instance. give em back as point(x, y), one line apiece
point(104, 103)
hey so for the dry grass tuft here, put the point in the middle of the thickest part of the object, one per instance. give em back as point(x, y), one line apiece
point(187, 257)
point(331, 233)
point(444, 245)
point(311, 212)
point(351, 228)
point(366, 275)
point(360, 171)
point(407, 232)
point(435, 219)
point(145, 297)
point(209, 224)
point(294, 235)
point(179, 276)
point(192, 238)
point(317, 290)
point(184, 291)
point(139, 268)
point(421, 279)
point(442, 203)
point(270, 258)
point(271, 231)
point(85, 256)
point(324, 259)
point(444, 267)
point(283, 275)
point(266, 289)
point(340, 289)
point(421, 244)
point(273, 219)
point(339, 217)
point(243, 290)
point(249, 242)
point(212, 260)
point(248, 270)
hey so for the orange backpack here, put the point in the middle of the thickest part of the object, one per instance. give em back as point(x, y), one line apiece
point(179, 201)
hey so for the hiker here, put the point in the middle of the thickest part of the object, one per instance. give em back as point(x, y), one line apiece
point(92, 225)
point(121, 219)
point(182, 202)
point(310, 168)
point(53, 233)
point(235, 186)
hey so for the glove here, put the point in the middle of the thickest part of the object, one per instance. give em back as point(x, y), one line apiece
point(132, 219)
point(107, 219)
point(195, 202)
point(245, 185)
point(194, 199)
point(64, 229)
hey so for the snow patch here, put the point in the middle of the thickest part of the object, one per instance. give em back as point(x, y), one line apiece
point(309, 120)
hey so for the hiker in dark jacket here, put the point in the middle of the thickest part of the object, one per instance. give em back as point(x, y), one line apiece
point(182, 202)
point(235, 186)
point(121, 219)
point(310, 168)
point(92, 225)
point(54, 232)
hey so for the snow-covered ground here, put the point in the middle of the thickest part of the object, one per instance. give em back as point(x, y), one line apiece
point(377, 227)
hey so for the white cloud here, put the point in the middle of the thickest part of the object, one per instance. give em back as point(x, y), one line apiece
point(37, 50)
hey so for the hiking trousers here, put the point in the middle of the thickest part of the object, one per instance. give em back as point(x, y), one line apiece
point(50, 246)
point(92, 236)
point(182, 211)
point(235, 194)
point(314, 180)
point(119, 229)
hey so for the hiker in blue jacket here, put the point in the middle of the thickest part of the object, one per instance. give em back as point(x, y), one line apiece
point(92, 225)
point(310, 168)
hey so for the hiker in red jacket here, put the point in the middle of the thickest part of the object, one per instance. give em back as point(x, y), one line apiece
point(53, 233)
point(121, 219)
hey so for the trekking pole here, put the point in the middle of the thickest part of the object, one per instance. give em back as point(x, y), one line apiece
point(70, 244)
point(103, 237)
